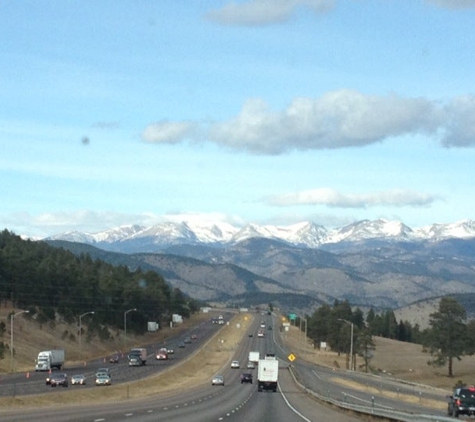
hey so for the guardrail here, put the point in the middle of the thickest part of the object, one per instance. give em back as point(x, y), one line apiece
point(373, 410)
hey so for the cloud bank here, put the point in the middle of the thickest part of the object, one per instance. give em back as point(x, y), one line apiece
point(264, 12)
point(453, 4)
point(268, 12)
point(338, 119)
point(332, 198)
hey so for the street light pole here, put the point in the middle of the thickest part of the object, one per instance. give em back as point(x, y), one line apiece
point(11, 335)
point(125, 325)
point(351, 343)
point(80, 328)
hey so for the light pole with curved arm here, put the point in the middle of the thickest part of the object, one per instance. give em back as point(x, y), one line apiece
point(80, 328)
point(11, 334)
point(125, 325)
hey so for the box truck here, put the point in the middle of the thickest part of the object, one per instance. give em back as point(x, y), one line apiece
point(49, 359)
point(267, 373)
point(254, 357)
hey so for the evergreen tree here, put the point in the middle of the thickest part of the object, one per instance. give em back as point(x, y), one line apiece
point(447, 336)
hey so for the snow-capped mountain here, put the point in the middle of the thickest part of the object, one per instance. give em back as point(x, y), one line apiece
point(366, 229)
point(306, 234)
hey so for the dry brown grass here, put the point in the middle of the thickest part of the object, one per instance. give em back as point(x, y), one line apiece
point(404, 361)
point(31, 337)
point(197, 370)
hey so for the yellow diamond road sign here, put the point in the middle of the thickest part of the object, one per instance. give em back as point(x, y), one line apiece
point(291, 357)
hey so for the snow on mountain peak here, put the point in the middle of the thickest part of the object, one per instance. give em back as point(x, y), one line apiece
point(306, 234)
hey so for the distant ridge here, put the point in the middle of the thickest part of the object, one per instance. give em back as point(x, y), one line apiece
point(135, 238)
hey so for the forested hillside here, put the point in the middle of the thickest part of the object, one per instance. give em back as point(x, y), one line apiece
point(53, 282)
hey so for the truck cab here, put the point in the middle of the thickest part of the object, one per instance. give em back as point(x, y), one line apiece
point(137, 357)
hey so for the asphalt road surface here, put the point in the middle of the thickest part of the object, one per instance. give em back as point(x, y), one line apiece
point(236, 401)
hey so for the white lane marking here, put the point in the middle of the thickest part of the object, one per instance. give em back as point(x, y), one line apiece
point(291, 407)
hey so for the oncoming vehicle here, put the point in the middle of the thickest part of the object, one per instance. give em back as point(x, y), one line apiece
point(218, 380)
point(462, 402)
point(78, 380)
point(161, 354)
point(114, 359)
point(103, 380)
point(235, 364)
point(59, 379)
point(102, 371)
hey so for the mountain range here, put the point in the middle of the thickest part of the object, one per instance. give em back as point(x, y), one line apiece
point(136, 238)
point(379, 263)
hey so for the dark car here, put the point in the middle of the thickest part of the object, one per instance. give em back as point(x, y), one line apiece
point(114, 359)
point(246, 378)
point(462, 402)
point(59, 379)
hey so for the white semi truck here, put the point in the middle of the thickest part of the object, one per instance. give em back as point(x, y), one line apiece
point(49, 359)
point(267, 373)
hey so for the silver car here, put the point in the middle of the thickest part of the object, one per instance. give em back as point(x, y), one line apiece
point(78, 380)
point(103, 380)
point(218, 380)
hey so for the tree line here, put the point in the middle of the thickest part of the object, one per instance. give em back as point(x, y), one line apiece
point(449, 336)
point(54, 283)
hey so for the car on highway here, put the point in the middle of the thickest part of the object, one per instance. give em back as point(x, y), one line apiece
point(235, 364)
point(462, 402)
point(103, 379)
point(102, 371)
point(251, 365)
point(170, 351)
point(161, 354)
point(187, 340)
point(78, 379)
point(246, 378)
point(181, 345)
point(218, 380)
point(59, 379)
point(114, 359)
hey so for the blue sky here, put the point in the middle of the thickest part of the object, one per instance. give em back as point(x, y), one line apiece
point(260, 111)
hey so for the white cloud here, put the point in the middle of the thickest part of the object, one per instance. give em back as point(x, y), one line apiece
point(264, 12)
point(460, 128)
point(338, 119)
point(332, 198)
point(168, 132)
point(453, 4)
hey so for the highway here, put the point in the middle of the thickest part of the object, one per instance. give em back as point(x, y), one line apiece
point(235, 401)
point(34, 382)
